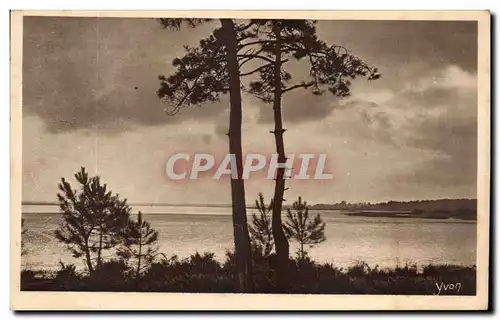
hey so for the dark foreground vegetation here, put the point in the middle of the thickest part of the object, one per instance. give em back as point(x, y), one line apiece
point(203, 273)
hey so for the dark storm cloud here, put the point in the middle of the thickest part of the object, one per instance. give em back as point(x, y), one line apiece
point(300, 106)
point(364, 121)
point(398, 43)
point(448, 95)
point(455, 141)
point(396, 48)
point(440, 120)
point(430, 97)
point(101, 72)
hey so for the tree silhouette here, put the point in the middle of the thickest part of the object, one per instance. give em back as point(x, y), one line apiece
point(139, 239)
point(331, 67)
point(202, 75)
point(302, 228)
point(263, 48)
point(261, 230)
point(93, 219)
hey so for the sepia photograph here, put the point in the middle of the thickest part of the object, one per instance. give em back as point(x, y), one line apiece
point(260, 160)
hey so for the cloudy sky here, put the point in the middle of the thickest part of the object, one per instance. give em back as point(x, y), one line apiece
point(89, 99)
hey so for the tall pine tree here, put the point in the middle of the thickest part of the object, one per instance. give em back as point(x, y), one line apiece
point(202, 75)
point(331, 67)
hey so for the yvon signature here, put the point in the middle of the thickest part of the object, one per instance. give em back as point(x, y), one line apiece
point(448, 288)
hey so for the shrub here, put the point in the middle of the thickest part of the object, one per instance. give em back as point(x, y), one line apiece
point(203, 263)
point(202, 273)
point(66, 277)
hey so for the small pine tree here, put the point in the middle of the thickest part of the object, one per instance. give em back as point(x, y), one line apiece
point(261, 230)
point(92, 221)
point(300, 227)
point(139, 240)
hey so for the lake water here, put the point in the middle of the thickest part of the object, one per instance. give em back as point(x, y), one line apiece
point(386, 242)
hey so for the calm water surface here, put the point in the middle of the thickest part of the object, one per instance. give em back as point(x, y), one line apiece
point(386, 242)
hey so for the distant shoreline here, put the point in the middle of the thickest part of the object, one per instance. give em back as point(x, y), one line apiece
point(413, 215)
point(368, 214)
point(318, 206)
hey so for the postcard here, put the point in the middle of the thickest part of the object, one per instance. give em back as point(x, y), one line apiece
point(250, 160)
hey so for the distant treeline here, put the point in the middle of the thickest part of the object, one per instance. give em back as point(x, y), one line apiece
point(403, 206)
point(463, 209)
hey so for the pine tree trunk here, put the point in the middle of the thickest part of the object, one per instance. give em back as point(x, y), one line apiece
point(281, 243)
point(138, 272)
point(87, 257)
point(139, 259)
point(98, 265)
point(241, 237)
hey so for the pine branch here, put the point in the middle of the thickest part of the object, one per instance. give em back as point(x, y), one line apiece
point(256, 70)
point(301, 85)
point(256, 56)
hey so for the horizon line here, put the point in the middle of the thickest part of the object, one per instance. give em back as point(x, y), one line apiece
point(229, 204)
